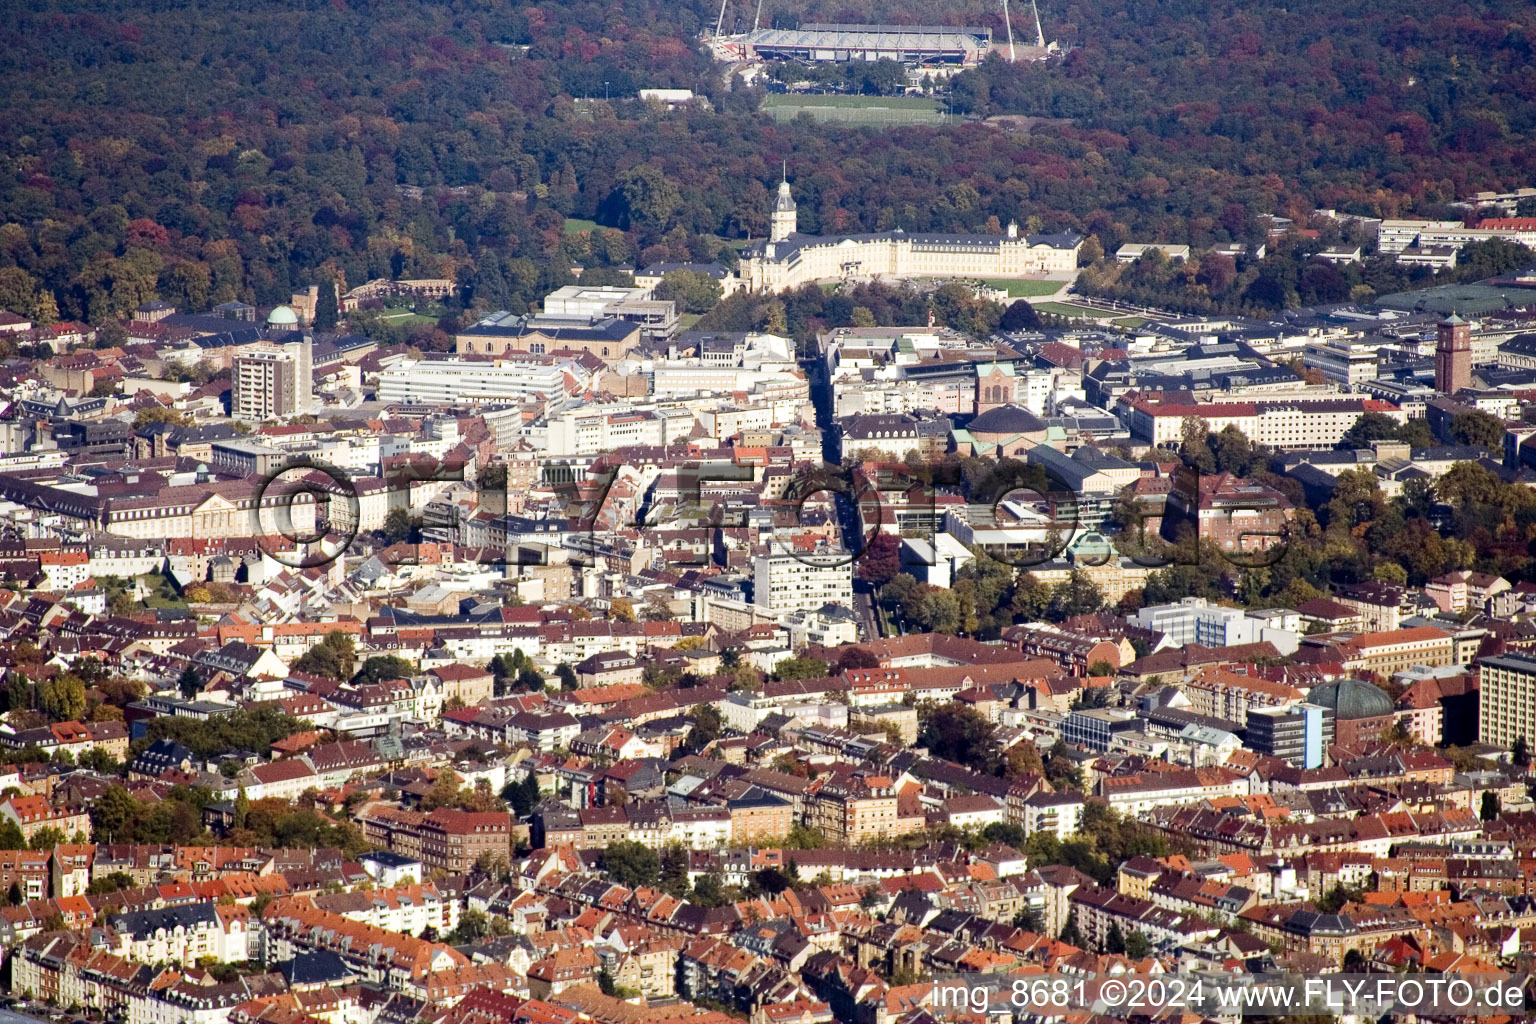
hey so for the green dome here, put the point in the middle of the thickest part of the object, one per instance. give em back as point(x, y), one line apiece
point(282, 316)
point(1351, 699)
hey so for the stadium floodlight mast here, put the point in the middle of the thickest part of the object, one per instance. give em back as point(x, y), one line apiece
point(1039, 30)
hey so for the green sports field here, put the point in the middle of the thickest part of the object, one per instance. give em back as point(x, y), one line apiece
point(871, 110)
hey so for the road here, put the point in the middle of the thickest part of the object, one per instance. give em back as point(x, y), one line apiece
point(11, 1016)
point(864, 608)
point(847, 514)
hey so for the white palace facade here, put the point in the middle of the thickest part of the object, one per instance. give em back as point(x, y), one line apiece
point(789, 259)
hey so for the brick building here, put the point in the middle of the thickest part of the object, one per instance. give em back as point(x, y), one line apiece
point(445, 840)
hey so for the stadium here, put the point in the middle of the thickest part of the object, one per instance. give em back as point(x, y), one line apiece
point(907, 44)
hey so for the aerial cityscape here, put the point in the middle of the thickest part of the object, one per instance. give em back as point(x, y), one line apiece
point(789, 511)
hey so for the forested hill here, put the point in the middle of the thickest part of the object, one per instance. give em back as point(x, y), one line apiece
point(232, 148)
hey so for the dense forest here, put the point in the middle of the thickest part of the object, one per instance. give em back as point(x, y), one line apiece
point(205, 151)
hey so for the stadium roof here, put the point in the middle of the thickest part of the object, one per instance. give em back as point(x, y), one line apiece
point(894, 38)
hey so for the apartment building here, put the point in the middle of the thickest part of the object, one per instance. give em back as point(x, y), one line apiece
point(759, 815)
point(1136, 794)
point(785, 582)
point(181, 934)
point(405, 908)
point(33, 813)
point(1057, 813)
point(1507, 699)
point(444, 840)
point(272, 381)
point(1386, 653)
point(398, 961)
point(849, 809)
point(1231, 697)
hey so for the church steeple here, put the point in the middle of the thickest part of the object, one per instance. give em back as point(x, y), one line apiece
point(783, 222)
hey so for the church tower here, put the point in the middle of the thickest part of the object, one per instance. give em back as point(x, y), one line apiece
point(1453, 355)
point(783, 223)
point(996, 386)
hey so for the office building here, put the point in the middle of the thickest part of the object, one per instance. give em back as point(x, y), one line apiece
point(1293, 734)
point(1194, 620)
point(452, 381)
point(1095, 728)
point(657, 317)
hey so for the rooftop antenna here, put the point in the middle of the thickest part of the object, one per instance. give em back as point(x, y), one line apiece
point(1039, 32)
point(720, 20)
point(1009, 23)
point(784, 174)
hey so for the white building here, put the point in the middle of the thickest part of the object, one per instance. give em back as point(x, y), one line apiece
point(1289, 423)
point(405, 908)
point(595, 429)
point(1396, 236)
point(701, 828)
point(1350, 360)
point(1130, 252)
point(1194, 620)
point(784, 582)
point(1058, 813)
point(657, 317)
point(272, 381)
point(450, 381)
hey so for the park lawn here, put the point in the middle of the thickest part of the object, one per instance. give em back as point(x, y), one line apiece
point(1024, 289)
point(685, 321)
point(1129, 321)
point(407, 318)
point(164, 595)
point(1065, 309)
point(576, 225)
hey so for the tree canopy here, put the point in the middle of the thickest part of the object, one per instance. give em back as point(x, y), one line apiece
point(205, 154)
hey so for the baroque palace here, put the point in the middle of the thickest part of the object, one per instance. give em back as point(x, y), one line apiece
point(789, 259)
